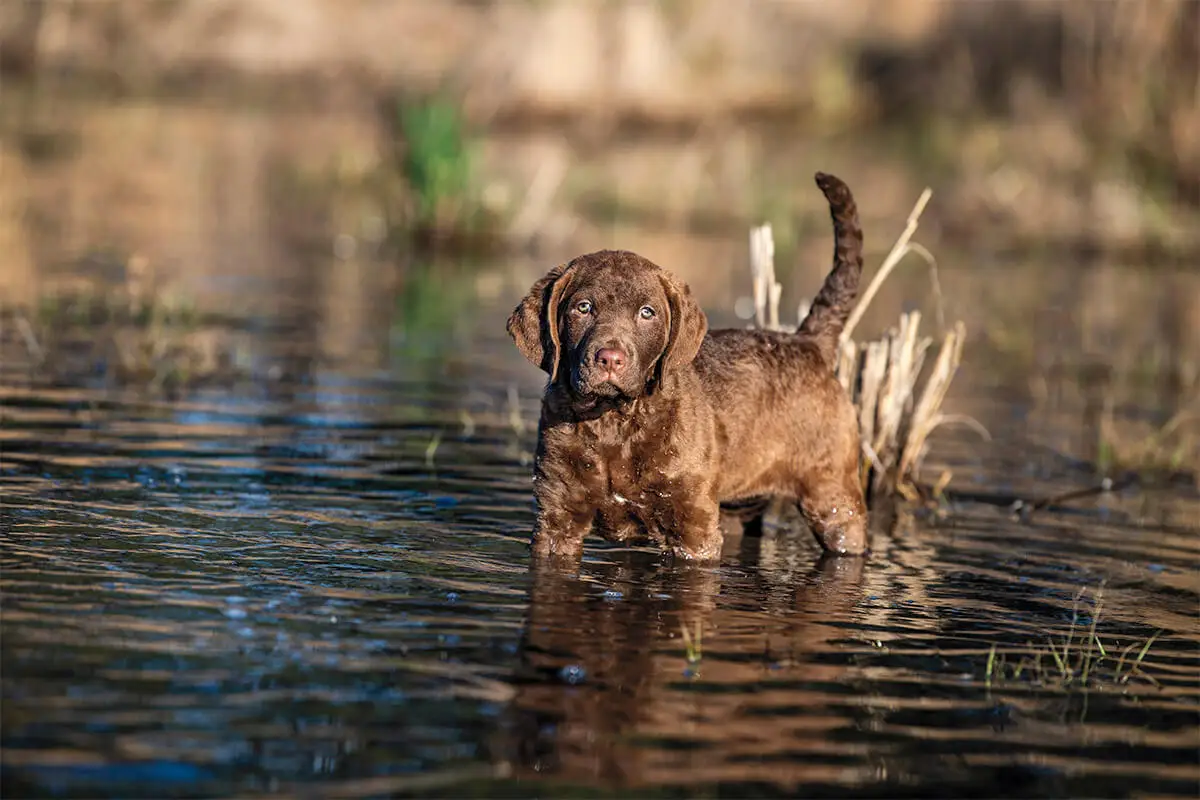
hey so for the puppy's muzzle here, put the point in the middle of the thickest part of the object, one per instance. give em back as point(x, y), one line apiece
point(607, 371)
point(610, 363)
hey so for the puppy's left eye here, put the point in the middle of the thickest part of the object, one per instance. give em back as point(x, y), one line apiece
point(647, 312)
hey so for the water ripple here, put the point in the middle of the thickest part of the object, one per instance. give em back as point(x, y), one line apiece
point(236, 595)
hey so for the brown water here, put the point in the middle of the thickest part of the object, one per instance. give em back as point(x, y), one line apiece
point(302, 566)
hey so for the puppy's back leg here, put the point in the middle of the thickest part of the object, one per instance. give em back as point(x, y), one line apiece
point(832, 504)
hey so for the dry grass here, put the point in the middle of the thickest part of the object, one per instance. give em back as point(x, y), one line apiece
point(898, 401)
point(1172, 449)
point(1135, 66)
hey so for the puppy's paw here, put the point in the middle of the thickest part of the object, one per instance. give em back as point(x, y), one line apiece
point(708, 549)
point(844, 539)
point(547, 547)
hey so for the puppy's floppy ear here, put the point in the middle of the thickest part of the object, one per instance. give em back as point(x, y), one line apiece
point(533, 324)
point(686, 324)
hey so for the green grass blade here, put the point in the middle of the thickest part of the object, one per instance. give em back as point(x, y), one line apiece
point(1062, 667)
point(1146, 647)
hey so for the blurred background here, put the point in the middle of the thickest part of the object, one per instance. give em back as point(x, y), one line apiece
point(265, 445)
point(360, 173)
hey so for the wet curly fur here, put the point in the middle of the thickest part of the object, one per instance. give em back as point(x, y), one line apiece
point(651, 423)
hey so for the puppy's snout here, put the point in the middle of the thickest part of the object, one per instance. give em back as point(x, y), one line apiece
point(612, 360)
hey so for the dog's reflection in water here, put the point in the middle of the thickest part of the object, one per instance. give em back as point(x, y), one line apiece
point(607, 694)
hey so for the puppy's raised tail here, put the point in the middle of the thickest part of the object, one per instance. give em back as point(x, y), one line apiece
point(833, 304)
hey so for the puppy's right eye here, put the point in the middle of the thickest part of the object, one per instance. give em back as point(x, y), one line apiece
point(584, 306)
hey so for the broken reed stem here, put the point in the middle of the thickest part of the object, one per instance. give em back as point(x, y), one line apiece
point(888, 383)
point(927, 415)
point(899, 250)
point(762, 270)
point(882, 376)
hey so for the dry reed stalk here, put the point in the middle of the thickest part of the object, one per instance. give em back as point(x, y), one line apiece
point(898, 403)
point(762, 271)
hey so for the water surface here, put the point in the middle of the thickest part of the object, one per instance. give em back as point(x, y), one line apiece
point(312, 576)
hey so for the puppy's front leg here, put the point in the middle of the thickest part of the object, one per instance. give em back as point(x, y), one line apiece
point(699, 526)
point(564, 518)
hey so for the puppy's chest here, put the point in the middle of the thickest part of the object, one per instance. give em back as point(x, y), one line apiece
point(626, 479)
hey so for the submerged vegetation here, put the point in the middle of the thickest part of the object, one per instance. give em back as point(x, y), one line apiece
point(693, 647)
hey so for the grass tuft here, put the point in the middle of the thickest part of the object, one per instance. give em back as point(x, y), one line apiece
point(440, 205)
point(1172, 449)
point(437, 161)
point(1074, 662)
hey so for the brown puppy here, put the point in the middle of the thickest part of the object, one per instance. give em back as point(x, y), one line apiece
point(648, 425)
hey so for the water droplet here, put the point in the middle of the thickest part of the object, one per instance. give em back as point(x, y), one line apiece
point(573, 674)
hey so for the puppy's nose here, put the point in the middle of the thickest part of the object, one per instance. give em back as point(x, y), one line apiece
point(612, 359)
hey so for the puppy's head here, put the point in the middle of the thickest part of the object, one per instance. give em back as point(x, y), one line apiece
point(608, 324)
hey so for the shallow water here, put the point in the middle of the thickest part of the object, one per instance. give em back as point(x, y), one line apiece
point(315, 578)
